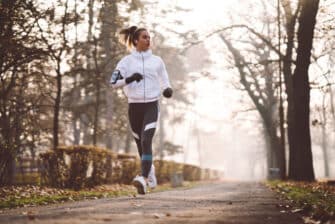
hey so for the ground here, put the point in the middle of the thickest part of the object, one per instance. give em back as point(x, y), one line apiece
point(220, 202)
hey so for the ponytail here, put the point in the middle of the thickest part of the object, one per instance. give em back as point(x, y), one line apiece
point(130, 35)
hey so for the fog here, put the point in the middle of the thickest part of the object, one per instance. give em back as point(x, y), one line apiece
point(222, 129)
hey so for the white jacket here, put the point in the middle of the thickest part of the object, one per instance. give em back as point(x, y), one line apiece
point(154, 74)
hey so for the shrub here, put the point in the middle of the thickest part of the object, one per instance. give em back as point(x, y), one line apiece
point(82, 166)
point(77, 166)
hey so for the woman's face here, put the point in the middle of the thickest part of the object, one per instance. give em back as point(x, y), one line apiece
point(143, 42)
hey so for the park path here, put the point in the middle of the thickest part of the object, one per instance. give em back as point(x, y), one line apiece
point(220, 202)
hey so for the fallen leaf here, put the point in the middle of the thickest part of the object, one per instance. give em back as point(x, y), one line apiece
point(308, 220)
point(297, 210)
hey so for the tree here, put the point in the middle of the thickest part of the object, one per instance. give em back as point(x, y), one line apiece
point(301, 161)
point(263, 96)
point(56, 42)
point(20, 52)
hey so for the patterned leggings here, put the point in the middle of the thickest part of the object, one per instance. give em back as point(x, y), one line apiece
point(143, 121)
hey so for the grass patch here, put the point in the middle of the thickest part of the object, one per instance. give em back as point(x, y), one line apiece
point(313, 199)
point(30, 195)
point(23, 196)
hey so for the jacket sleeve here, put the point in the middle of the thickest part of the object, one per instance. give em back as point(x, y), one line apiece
point(122, 67)
point(163, 76)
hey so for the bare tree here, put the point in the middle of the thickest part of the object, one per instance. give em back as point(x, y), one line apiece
point(263, 97)
point(301, 162)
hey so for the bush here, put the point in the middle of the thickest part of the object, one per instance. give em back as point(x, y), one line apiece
point(125, 168)
point(82, 166)
point(165, 169)
point(191, 172)
point(77, 166)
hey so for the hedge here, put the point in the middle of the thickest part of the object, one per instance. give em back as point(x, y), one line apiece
point(81, 166)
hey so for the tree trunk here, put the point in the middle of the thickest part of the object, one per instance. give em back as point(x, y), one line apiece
point(76, 92)
point(109, 26)
point(282, 154)
point(7, 171)
point(128, 141)
point(98, 93)
point(274, 153)
point(301, 167)
point(58, 59)
point(57, 107)
point(290, 23)
point(324, 137)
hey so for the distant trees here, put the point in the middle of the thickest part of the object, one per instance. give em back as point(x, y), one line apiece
point(258, 80)
point(296, 83)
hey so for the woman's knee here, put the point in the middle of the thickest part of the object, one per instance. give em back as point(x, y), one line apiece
point(146, 143)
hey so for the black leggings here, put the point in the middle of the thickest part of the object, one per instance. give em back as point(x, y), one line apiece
point(143, 121)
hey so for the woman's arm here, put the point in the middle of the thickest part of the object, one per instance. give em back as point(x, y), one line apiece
point(163, 76)
point(164, 80)
point(121, 69)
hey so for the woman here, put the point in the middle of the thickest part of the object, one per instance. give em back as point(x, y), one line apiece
point(142, 76)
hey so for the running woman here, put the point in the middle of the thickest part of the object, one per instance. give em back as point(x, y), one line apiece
point(142, 76)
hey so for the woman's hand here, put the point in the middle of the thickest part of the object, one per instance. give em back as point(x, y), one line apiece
point(134, 77)
point(167, 92)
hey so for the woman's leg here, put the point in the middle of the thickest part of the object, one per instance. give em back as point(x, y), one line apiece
point(148, 131)
point(135, 113)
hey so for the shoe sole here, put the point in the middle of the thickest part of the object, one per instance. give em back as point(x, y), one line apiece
point(139, 187)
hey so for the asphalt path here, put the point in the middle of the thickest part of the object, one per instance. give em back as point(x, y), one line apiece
point(220, 202)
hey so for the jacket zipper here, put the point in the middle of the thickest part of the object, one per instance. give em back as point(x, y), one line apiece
point(143, 75)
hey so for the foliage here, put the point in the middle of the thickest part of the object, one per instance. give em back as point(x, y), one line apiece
point(20, 110)
point(313, 199)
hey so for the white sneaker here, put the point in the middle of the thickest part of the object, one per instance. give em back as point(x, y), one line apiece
point(152, 180)
point(140, 184)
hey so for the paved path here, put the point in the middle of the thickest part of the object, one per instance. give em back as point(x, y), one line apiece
point(223, 202)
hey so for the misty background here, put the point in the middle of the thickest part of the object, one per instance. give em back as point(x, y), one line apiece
point(58, 93)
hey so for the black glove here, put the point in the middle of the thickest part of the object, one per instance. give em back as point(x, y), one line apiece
point(134, 77)
point(167, 92)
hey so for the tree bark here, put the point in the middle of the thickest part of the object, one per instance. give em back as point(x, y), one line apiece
point(128, 141)
point(98, 93)
point(59, 76)
point(109, 26)
point(301, 166)
point(290, 24)
point(57, 107)
point(76, 92)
